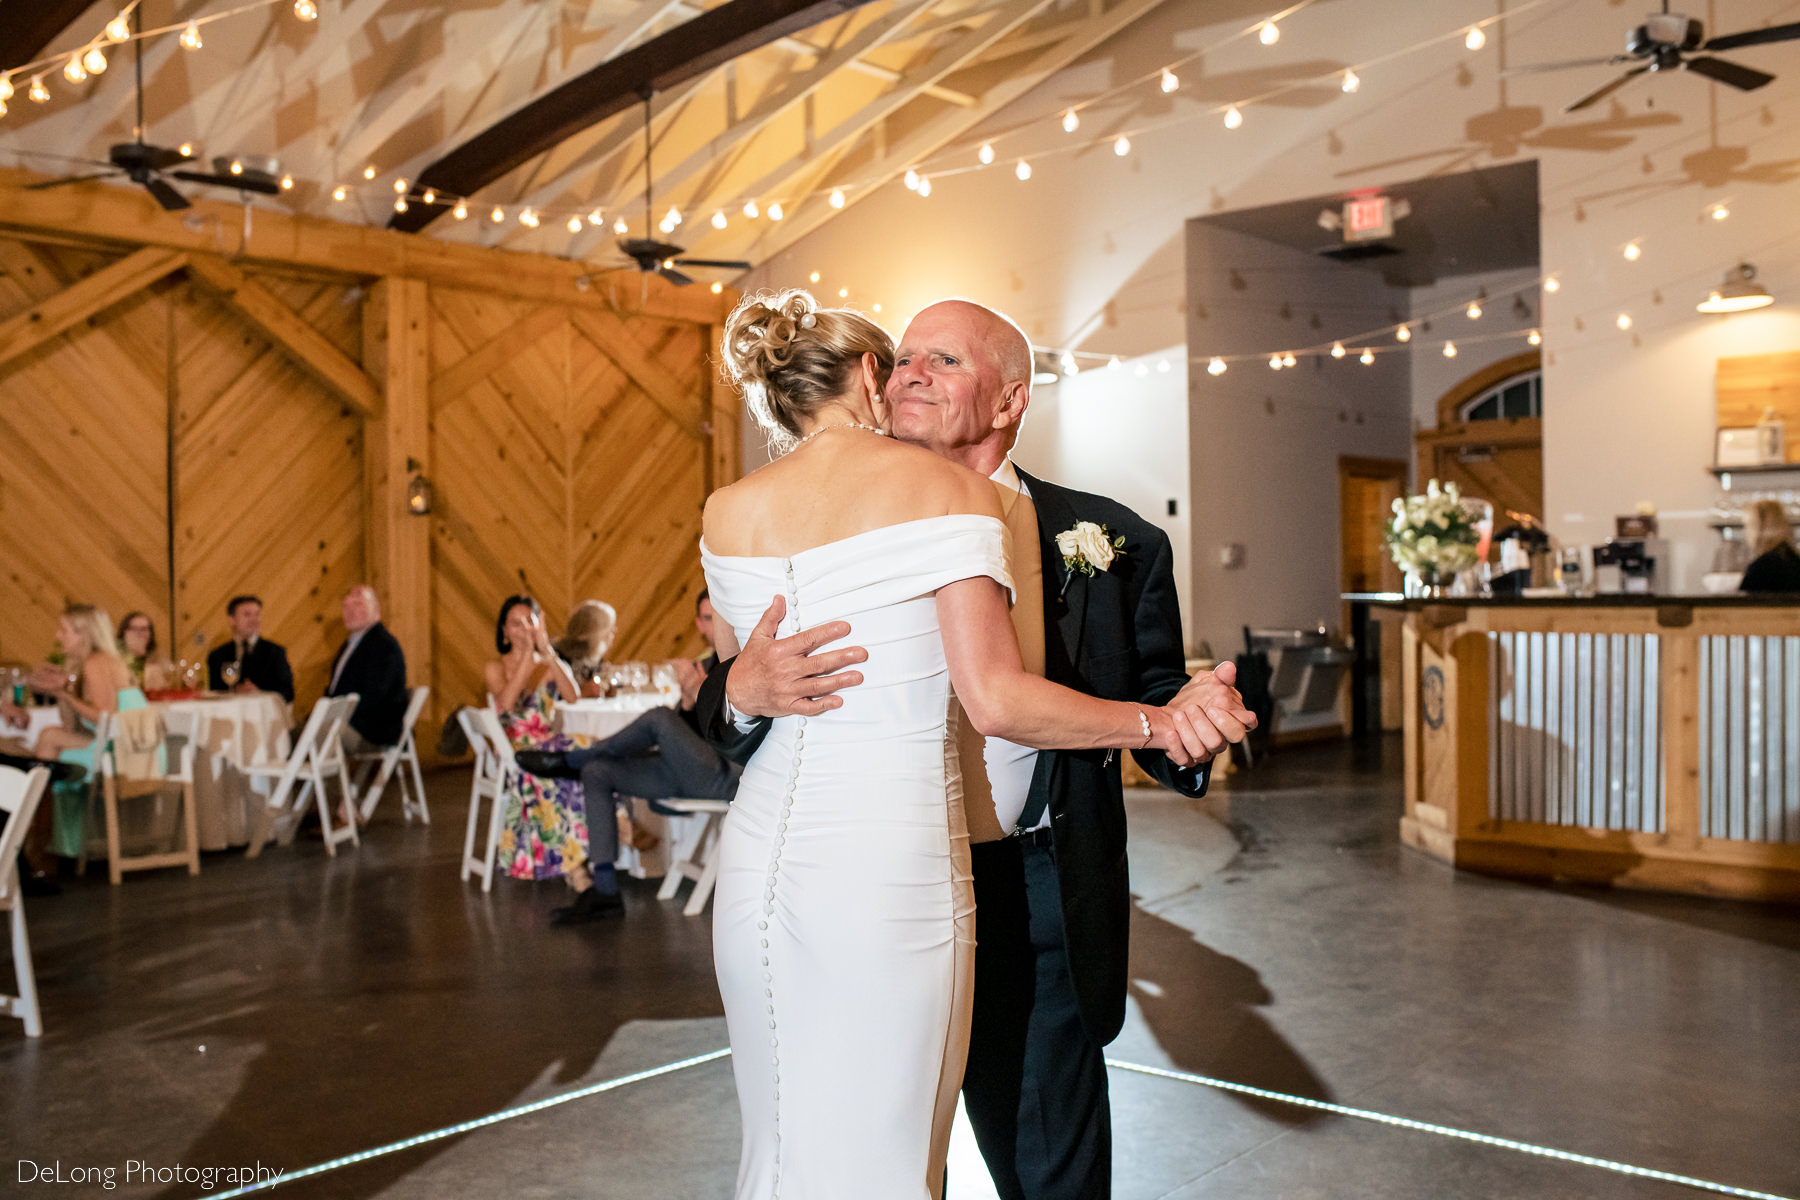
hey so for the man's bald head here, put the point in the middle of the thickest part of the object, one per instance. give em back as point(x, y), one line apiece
point(961, 381)
point(999, 333)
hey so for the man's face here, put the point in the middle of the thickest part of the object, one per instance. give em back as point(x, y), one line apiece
point(246, 621)
point(703, 620)
point(357, 612)
point(946, 386)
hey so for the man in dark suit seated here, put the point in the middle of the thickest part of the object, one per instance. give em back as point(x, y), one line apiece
point(371, 665)
point(262, 665)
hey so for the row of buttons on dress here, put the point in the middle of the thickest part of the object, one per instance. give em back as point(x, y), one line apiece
point(768, 907)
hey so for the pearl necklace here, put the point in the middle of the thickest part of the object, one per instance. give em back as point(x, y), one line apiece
point(875, 429)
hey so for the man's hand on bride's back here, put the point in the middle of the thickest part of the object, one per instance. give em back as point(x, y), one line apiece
point(779, 677)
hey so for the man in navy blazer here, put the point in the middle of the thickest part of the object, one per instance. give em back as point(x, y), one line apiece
point(262, 665)
point(371, 665)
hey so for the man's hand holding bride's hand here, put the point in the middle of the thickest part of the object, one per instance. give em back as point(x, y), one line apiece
point(780, 677)
point(1204, 718)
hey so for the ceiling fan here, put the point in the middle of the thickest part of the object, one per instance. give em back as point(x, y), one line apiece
point(1669, 41)
point(661, 258)
point(146, 165)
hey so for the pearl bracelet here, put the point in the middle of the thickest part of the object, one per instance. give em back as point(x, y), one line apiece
point(1144, 720)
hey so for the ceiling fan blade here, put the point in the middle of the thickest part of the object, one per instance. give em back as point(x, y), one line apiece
point(168, 197)
point(1610, 60)
point(675, 277)
point(1601, 93)
point(1754, 37)
point(723, 264)
point(56, 183)
point(1745, 79)
point(240, 183)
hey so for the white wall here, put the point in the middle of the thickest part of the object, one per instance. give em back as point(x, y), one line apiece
point(1124, 435)
point(1432, 373)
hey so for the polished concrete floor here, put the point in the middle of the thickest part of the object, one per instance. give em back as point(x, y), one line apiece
point(294, 1009)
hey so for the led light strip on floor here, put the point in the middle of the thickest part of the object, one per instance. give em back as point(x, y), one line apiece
point(505, 1114)
point(1484, 1139)
point(1223, 1085)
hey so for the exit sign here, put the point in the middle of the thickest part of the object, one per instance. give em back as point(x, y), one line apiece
point(1368, 219)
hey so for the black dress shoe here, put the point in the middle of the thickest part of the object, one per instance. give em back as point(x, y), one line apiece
point(548, 764)
point(591, 905)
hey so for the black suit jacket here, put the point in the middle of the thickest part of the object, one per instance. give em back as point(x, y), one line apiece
point(376, 673)
point(266, 667)
point(1116, 635)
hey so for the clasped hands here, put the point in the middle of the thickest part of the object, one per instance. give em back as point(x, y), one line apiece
point(774, 677)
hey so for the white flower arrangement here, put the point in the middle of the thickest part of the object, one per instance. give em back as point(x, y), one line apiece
point(1433, 534)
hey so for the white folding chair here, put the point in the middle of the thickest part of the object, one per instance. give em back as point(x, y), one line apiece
point(115, 787)
point(402, 754)
point(19, 796)
point(494, 770)
point(701, 862)
point(317, 753)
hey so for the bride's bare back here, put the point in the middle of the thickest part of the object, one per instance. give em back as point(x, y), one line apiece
point(841, 483)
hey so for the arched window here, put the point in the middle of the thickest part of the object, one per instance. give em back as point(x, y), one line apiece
point(1520, 395)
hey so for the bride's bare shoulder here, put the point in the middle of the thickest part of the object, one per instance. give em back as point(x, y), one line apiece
point(941, 486)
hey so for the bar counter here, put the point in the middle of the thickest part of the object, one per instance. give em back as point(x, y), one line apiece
point(1641, 741)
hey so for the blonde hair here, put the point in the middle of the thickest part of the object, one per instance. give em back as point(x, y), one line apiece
point(591, 626)
point(789, 357)
point(94, 626)
point(1766, 526)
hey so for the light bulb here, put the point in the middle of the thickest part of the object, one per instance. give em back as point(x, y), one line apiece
point(118, 29)
point(1367, 357)
point(73, 71)
point(306, 10)
point(1169, 81)
point(1474, 310)
point(287, 183)
point(596, 218)
point(400, 204)
point(876, 308)
point(190, 37)
point(718, 220)
point(620, 227)
point(1720, 212)
point(498, 215)
point(1552, 284)
point(1337, 350)
point(1162, 365)
point(1633, 252)
point(528, 217)
point(39, 93)
point(1476, 39)
point(1113, 363)
point(1624, 321)
point(1352, 80)
point(1274, 362)
point(2, 108)
point(673, 216)
point(1403, 334)
point(717, 288)
point(6, 88)
point(187, 149)
point(1449, 349)
point(986, 153)
point(836, 200)
point(814, 277)
point(1269, 34)
point(236, 168)
point(843, 293)
point(1233, 118)
point(574, 224)
point(924, 185)
point(1216, 366)
point(1069, 365)
point(1023, 170)
point(775, 213)
point(750, 209)
point(1122, 146)
point(1287, 360)
point(1535, 338)
point(461, 211)
point(1071, 122)
point(400, 187)
point(339, 192)
point(94, 60)
point(911, 179)
point(369, 171)
point(664, 227)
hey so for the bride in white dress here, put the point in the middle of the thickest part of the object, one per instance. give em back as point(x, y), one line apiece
point(844, 916)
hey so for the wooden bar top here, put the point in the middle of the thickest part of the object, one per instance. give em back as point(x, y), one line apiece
point(1395, 600)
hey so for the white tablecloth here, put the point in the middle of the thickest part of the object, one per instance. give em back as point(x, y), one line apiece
point(603, 718)
point(234, 732)
point(38, 718)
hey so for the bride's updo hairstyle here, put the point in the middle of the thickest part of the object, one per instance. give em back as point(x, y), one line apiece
point(790, 357)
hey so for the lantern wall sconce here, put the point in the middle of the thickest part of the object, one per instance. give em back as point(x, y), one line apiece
point(418, 491)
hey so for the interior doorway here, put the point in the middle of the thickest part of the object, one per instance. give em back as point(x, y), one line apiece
point(1489, 438)
point(1367, 489)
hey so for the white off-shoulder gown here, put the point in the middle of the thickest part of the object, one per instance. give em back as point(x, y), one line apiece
point(844, 918)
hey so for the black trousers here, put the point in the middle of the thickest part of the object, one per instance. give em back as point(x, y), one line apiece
point(654, 758)
point(1035, 1087)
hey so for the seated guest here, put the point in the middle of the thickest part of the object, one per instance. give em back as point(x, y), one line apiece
point(137, 645)
point(262, 666)
point(690, 673)
point(1776, 565)
point(585, 642)
point(370, 665)
point(659, 756)
point(544, 829)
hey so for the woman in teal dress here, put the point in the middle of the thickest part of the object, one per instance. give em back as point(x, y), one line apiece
point(545, 827)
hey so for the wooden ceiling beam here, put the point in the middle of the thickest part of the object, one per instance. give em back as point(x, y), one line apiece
point(84, 298)
point(310, 350)
point(689, 50)
point(27, 27)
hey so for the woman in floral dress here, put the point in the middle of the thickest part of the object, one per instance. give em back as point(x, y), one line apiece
point(545, 831)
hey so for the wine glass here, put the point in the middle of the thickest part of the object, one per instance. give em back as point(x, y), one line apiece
point(230, 673)
point(640, 676)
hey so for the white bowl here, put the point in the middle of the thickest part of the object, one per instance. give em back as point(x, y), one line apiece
point(1720, 582)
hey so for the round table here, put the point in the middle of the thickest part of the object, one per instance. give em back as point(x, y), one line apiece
point(601, 718)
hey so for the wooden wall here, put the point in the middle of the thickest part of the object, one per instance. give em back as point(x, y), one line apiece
point(180, 428)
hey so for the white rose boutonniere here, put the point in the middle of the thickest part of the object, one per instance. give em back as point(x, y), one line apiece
point(1089, 547)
